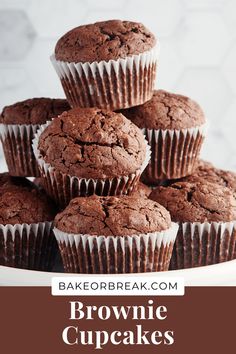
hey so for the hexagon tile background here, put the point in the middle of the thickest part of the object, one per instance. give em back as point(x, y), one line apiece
point(198, 53)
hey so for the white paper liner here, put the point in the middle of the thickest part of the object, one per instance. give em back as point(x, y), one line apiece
point(17, 145)
point(113, 84)
point(63, 188)
point(175, 153)
point(200, 244)
point(120, 254)
point(28, 246)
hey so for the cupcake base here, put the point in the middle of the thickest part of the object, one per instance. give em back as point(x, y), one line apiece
point(62, 188)
point(17, 147)
point(175, 153)
point(201, 244)
point(109, 255)
point(25, 246)
point(113, 85)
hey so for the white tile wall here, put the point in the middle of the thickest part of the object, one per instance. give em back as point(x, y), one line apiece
point(198, 53)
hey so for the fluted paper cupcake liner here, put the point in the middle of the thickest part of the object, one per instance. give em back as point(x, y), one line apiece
point(116, 254)
point(26, 246)
point(175, 153)
point(113, 84)
point(200, 244)
point(62, 187)
point(17, 146)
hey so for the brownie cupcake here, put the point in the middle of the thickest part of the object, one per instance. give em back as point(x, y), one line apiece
point(174, 126)
point(90, 151)
point(206, 213)
point(207, 172)
point(26, 215)
point(115, 235)
point(18, 125)
point(110, 64)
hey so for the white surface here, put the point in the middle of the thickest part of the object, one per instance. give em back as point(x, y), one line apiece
point(198, 50)
point(223, 274)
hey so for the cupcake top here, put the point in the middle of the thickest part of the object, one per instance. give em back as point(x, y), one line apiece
point(93, 143)
point(197, 202)
point(105, 40)
point(113, 216)
point(166, 110)
point(142, 191)
point(33, 111)
point(209, 173)
point(7, 181)
point(22, 203)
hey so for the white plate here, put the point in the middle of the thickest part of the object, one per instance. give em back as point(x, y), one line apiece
point(223, 274)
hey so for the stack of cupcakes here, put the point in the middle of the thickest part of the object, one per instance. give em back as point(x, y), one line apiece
point(26, 212)
point(91, 156)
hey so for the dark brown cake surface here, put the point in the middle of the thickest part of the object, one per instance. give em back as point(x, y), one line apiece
point(166, 110)
point(21, 202)
point(207, 172)
point(142, 190)
point(93, 143)
point(7, 181)
point(105, 40)
point(109, 216)
point(33, 111)
point(197, 201)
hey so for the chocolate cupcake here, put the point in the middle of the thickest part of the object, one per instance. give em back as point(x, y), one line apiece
point(115, 235)
point(206, 213)
point(110, 64)
point(89, 151)
point(174, 126)
point(26, 215)
point(207, 172)
point(18, 125)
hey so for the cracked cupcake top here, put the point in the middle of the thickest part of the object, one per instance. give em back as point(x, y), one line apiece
point(166, 111)
point(207, 172)
point(197, 202)
point(106, 40)
point(113, 216)
point(22, 202)
point(33, 111)
point(93, 143)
